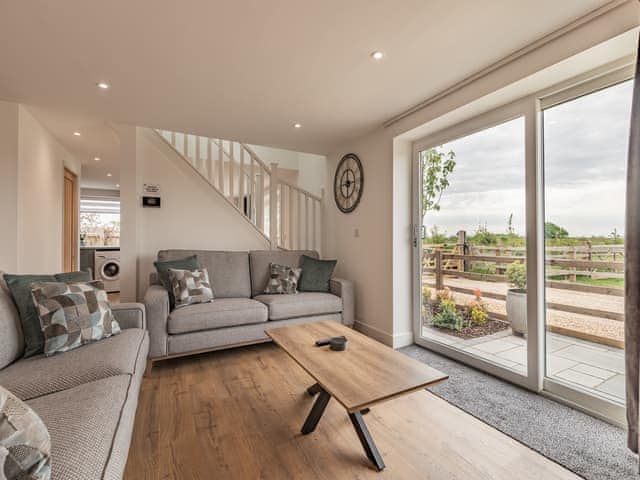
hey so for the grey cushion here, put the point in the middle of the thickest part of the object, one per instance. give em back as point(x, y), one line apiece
point(39, 375)
point(83, 422)
point(222, 312)
point(11, 338)
point(316, 274)
point(228, 271)
point(261, 259)
point(238, 335)
point(301, 304)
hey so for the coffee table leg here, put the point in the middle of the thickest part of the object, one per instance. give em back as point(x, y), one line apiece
point(314, 389)
point(366, 440)
point(316, 412)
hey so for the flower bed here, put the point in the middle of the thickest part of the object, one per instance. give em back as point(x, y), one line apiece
point(469, 321)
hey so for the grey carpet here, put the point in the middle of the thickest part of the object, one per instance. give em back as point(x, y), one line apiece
point(583, 444)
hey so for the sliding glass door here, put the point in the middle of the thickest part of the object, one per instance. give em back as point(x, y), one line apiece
point(472, 244)
point(585, 152)
point(519, 240)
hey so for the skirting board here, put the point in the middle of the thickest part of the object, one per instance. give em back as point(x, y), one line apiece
point(397, 340)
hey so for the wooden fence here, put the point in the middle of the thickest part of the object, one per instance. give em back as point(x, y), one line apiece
point(441, 263)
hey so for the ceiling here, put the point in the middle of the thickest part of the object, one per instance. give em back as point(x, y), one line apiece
point(248, 69)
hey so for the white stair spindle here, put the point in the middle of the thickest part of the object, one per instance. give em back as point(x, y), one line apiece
point(241, 181)
point(273, 206)
point(220, 167)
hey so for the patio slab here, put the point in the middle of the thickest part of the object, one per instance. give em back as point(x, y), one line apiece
point(614, 386)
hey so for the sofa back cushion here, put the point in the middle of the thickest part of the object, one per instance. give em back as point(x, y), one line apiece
point(228, 271)
point(11, 338)
point(261, 259)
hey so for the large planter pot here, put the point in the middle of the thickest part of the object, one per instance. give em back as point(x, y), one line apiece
point(517, 310)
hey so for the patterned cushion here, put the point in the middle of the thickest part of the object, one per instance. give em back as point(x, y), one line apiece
point(20, 287)
point(188, 263)
point(25, 445)
point(190, 286)
point(283, 279)
point(73, 315)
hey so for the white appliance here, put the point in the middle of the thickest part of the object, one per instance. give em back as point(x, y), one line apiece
point(107, 269)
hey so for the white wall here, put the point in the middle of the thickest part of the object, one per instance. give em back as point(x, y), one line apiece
point(41, 163)
point(312, 169)
point(192, 215)
point(8, 186)
point(379, 259)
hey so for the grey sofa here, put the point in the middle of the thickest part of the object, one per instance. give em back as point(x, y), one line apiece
point(87, 397)
point(240, 313)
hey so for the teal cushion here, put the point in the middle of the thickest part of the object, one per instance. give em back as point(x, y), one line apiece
point(189, 263)
point(315, 274)
point(73, 277)
point(20, 287)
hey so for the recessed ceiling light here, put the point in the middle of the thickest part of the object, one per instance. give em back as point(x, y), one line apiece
point(297, 125)
point(97, 159)
point(103, 85)
point(377, 55)
point(117, 185)
point(109, 175)
point(77, 134)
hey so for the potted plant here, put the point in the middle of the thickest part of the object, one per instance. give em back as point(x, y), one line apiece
point(517, 297)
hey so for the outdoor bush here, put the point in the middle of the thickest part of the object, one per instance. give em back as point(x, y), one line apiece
point(448, 316)
point(476, 310)
point(517, 275)
point(444, 295)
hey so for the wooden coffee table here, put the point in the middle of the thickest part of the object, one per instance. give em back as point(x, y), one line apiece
point(365, 374)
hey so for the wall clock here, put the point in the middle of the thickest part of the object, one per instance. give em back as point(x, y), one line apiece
point(348, 183)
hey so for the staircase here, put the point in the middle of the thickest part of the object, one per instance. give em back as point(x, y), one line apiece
point(253, 188)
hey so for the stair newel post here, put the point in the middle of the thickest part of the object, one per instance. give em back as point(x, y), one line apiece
point(241, 182)
point(273, 206)
point(220, 166)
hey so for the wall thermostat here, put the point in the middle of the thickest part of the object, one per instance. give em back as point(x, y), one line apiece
point(151, 202)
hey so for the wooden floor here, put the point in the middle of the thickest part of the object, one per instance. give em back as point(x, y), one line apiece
point(237, 414)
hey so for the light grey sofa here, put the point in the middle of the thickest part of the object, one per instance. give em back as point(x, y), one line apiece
point(240, 313)
point(87, 397)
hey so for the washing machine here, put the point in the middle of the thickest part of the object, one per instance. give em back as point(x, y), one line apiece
point(107, 269)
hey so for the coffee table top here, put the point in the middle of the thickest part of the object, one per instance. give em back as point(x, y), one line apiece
point(366, 373)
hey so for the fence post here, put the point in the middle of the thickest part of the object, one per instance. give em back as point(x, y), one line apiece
point(438, 254)
point(462, 241)
point(273, 206)
point(572, 256)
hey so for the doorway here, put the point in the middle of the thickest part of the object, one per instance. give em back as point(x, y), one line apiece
point(70, 219)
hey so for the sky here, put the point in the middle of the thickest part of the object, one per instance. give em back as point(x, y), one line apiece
point(585, 151)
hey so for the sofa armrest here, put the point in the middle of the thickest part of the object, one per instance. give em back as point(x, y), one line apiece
point(344, 289)
point(156, 301)
point(129, 315)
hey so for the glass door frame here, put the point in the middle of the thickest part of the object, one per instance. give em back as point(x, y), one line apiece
point(524, 108)
point(531, 108)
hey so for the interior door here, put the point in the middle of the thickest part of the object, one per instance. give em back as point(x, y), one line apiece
point(71, 234)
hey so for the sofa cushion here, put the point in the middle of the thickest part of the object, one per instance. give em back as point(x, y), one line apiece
point(83, 422)
point(190, 263)
point(260, 261)
point(316, 274)
point(20, 288)
point(283, 280)
point(228, 271)
point(11, 338)
point(301, 304)
point(39, 375)
point(222, 312)
point(25, 445)
point(73, 314)
point(190, 286)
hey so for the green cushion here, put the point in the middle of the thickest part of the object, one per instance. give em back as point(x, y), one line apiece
point(20, 287)
point(315, 274)
point(189, 263)
point(73, 277)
